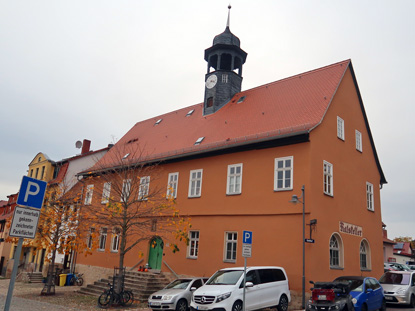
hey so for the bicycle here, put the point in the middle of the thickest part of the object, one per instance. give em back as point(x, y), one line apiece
point(109, 297)
point(77, 279)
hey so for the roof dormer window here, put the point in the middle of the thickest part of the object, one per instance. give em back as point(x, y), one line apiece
point(158, 121)
point(199, 140)
point(190, 113)
point(241, 99)
point(126, 156)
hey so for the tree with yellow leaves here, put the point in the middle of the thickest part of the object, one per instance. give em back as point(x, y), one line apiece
point(58, 227)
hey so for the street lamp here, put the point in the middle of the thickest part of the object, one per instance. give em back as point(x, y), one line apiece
point(295, 199)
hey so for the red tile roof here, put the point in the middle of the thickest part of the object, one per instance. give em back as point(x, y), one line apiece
point(283, 108)
point(61, 174)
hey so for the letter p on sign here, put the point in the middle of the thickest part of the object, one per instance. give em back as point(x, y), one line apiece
point(32, 192)
point(247, 237)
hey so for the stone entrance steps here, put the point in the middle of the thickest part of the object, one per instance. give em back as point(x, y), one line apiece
point(142, 284)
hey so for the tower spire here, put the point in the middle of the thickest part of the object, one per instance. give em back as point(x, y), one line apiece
point(229, 16)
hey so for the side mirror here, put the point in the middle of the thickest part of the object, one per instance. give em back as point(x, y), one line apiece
point(369, 290)
point(249, 284)
point(192, 289)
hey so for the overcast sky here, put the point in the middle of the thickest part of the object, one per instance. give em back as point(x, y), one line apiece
point(76, 69)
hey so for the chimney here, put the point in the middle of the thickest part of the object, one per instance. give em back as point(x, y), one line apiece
point(85, 146)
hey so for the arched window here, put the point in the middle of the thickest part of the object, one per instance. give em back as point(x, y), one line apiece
point(226, 61)
point(364, 255)
point(336, 251)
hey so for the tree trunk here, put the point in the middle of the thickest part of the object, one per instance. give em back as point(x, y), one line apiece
point(50, 281)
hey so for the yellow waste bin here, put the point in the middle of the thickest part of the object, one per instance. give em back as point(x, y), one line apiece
point(62, 279)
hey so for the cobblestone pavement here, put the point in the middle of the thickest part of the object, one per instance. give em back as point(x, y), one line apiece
point(26, 296)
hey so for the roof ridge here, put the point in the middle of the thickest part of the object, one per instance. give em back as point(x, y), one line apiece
point(300, 74)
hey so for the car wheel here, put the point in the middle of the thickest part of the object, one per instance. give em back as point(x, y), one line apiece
point(383, 306)
point(364, 307)
point(181, 305)
point(283, 305)
point(412, 302)
point(237, 306)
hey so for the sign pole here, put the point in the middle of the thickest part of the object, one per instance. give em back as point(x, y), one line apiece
point(243, 298)
point(25, 220)
point(14, 273)
point(246, 252)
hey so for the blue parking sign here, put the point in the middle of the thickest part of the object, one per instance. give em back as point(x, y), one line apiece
point(247, 237)
point(32, 192)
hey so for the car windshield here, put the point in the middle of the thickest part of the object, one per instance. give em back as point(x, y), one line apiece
point(225, 277)
point(395, 278)
point(179, 284)
point(355, 285)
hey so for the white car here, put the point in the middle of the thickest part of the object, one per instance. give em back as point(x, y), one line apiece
point(266, 287)
point(399, 287)
point(176, 295)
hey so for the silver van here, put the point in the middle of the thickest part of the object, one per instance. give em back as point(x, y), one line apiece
point(266, 287)
point(399, 287)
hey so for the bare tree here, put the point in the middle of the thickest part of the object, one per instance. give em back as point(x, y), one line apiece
point(126, 193)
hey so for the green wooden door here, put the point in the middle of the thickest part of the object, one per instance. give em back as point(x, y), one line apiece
point(156, 253)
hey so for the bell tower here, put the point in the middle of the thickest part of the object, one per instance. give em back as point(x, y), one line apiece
point(224, 70)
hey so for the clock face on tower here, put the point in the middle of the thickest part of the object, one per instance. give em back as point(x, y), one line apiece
point(211, 81)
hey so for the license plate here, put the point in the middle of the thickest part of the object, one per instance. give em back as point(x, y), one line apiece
point(202, 308)
point(388, 298)
point(322, 297)
point(154, 303)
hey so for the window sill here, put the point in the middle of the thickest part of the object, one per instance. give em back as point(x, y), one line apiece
point(229, 261)
point(192, 258)
point(365, 269)
point(101, 250)
point(329, 195)
point(236, 193)
point(286, 189)
point(371, 210)
point(336, 268)
point(194, 197)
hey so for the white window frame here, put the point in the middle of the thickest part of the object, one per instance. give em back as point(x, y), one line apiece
point(144, 188)
point(88, 194)
point(172, 185)
point(340, 128)
point(126, 190)
point(364, 255)
point(195, 183)
point(359, 141)
point(230, 246)
point(234, 180)
point(193, 247)
point(327, 178)
point(336, 247)
point(102, 238)
point(115, 239)
point(106, 191)
point(370, 204)
point(281, 173)
point(89, 239)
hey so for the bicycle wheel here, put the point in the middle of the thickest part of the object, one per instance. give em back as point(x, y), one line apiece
point(79, 281)
point(127, 298)
point(105, 299)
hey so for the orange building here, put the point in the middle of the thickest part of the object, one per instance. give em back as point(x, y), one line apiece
point(235, 161)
